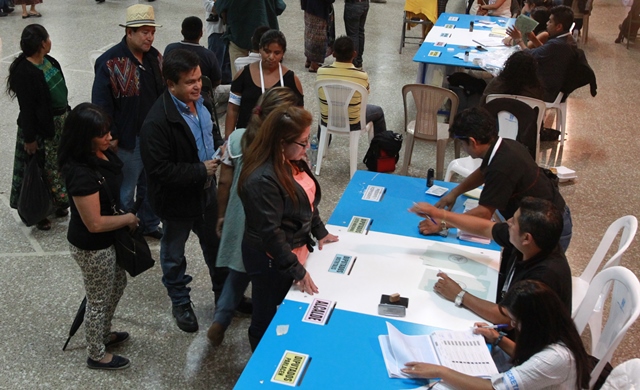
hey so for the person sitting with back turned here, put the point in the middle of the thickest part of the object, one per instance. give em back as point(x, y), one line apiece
point(254, 54)
point(344, 70)
point(507, 171)
point(557, 55)
point(531, 237)
point(547, 352)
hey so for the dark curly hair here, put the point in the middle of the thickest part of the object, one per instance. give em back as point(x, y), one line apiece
point(520, 72)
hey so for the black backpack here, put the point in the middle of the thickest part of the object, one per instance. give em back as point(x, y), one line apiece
point(384, 152)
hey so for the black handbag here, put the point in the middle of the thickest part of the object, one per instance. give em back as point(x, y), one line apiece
point(132, 251)
point(34, 203)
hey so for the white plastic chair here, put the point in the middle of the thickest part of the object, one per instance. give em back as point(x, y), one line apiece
point(625, 376)
point(428, 100)
point(561, 114)
point(624, 310)
point(463, 166)
point(338, 94)
point(628, 225)
point(506, 128)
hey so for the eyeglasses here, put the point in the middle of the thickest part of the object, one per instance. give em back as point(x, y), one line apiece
point(304, 145)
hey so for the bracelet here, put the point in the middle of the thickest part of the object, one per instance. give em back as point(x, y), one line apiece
point(458, 300)
point(498, 340)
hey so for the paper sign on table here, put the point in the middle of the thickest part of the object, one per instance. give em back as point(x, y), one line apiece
point(359, 225)
point(342, 264)
point(319, 311)
point(373, 193)
point(291, 368)
point(436, 190)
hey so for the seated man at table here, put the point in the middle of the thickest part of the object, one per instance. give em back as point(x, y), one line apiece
point(508, 173)
point(557, 55)
point(531, 236)
point(343, 69)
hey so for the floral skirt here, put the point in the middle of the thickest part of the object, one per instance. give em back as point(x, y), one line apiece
point(52, 174)
point(315, 38)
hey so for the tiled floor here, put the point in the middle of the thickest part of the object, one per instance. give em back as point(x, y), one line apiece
point(41, 286)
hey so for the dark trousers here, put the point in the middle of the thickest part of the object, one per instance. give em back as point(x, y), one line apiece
point(172, 244)
point(268, 289)
point(355, 16)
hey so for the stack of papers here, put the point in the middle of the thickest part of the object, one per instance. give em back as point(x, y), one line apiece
point(565, 174)
point(470, 204)
point(462, 351)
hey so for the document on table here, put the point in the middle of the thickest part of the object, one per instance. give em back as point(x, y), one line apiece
point(462, 351)
point(449, 257)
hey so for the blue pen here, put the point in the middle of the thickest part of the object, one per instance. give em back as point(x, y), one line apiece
point(496, 327)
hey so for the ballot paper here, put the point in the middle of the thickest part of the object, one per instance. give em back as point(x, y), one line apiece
point(462, 351)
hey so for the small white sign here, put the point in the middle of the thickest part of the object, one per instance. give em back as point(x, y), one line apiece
point(319, 311)
point(437, 190)
point(359, 225)
point(373, 193)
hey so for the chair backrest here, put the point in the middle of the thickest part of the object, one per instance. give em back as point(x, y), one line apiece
point(624, 310)
point(505, 119)
point(628, 225)
point(338, 94)
point(428, 100)
point(624, 376)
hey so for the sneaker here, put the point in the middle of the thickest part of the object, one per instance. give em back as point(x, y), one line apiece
point(120, 337)
point(116, 363)
point(185, 317)
point(157, 234)
point(215, 334)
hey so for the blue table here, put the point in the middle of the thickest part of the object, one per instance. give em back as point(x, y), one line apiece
point(390, 215)
point(447, 58)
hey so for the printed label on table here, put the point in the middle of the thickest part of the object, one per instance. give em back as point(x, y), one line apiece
point(434, 53)
point(449, 26)
point(440, 44)
point(373, 193)
point(437, 190)
point(319, 311)
point(453, 18)
point(445, 35)
point(291, 368)
point(359, 225)
point(342, 264)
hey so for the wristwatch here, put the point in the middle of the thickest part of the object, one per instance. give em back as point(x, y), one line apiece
point(458, 300)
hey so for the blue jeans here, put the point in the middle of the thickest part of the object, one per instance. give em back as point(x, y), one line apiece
point(219, 47)
point(134, 187)
point(173, 261)
point(232, 295)
point(567, 229)
point(355, 16)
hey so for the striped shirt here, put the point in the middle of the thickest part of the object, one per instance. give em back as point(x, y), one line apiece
point(347, 72)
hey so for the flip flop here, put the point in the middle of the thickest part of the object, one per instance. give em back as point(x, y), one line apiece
point(26, 16)
point(36, 15)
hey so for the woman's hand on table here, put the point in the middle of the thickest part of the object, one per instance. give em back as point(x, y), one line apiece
point(422, 370)
point(307, 285)
point(326, 240)
point(31, 147)
point(446, 287)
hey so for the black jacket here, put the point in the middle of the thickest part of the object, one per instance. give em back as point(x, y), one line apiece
point(274, 224)
point(34, 98)
point(176, 177)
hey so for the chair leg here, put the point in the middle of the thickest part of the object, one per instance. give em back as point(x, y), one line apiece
point(407, 154)
point(324, 138)
point(354, 138)
point(561, 119)
point(441, 146)
point(404, 27)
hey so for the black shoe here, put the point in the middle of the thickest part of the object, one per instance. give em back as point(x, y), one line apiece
point(157, 234)
point(7, 10)
point(185, 317)
point(245, 306)
point(116, 363)
point(120, 338)
point(2, 13)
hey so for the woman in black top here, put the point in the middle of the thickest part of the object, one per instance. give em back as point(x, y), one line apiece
point(37, 81)
point(254, 79)
point(93, 176)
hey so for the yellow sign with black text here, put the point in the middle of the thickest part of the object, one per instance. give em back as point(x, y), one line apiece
point(291, 368)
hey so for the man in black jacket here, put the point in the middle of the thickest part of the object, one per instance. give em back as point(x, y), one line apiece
point(177, 143)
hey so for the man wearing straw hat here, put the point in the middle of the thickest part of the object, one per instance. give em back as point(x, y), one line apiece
point(127, 82)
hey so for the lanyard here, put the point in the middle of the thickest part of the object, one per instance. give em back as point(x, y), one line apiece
point(495, 149)
point(262, 76)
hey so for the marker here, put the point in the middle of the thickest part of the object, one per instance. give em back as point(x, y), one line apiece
point(497, 327)
point(352, 264)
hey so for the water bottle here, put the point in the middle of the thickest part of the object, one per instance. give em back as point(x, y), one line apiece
point(312, 153)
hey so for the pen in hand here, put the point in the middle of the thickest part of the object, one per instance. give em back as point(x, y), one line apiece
point(497, 327)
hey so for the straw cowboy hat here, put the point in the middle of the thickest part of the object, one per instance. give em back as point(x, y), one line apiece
point(139, 15)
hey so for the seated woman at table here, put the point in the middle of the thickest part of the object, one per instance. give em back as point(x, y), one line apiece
point(494, 8)
point(547, 352)
point(280, 198)
point(518, 77)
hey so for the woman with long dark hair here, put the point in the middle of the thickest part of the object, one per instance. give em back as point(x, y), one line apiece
point(518, 77)
point(36, 79)
point(93, 174)
point(231, 214)
point(280, 197)
point(546, 354)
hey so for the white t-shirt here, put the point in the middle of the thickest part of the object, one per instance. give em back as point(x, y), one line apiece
point(553, 368)
point(504, 10)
